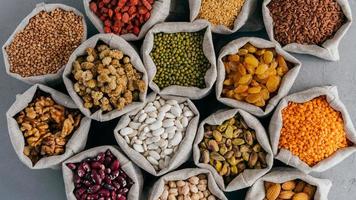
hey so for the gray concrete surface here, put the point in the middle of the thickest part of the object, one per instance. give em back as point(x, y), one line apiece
point(18, 182)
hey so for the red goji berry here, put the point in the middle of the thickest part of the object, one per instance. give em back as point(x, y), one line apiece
point(106, 1)
point(121, 3)
point(147, 4)
point(142, 10)
point(113, 2)
point(132, 10)
point(93, 7)
point(101, 4)
point(125, 9)
point(110, 13)
point(136, 30)
point(118, 16)
point(125, 18)
point(107, 29)
point(133, 2)
point(107, 22)
point(147, 16)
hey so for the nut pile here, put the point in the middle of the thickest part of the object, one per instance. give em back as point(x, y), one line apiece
point(157, 130)
point(46, 127)
point(122, 16)
point(220, 12)
point(195, 188)
point(106, 79)
point(45, 44)
point(253, 75)
point(179, 59)
point(312, 130)
point(100, 177)
point(294, 189)
point(231, 148)
point(304, 21)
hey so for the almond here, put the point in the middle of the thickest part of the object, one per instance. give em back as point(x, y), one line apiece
point(286, 194)
point(309, 190)
point(300, 196)
point(299, 187)
point(268, 184)
point(289, 185)
point(273, 191)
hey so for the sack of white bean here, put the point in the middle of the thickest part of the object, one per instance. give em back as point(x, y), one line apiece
point(158, 137)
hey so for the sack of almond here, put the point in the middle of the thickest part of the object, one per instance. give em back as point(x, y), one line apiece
point(234, 147)
point(326, 21)
point(287, 183)
point(194, 183)
point(312, 130)
point(105, 77)
point(179, 58)
point(254, 74)
point(46, 127)
point(158, 136)
point(30, 58)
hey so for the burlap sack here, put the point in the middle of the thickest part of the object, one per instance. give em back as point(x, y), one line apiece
point(48, 78)
point(280, 175)
point(286, 84)
point(174, 27)
point(179, 157)
point(184, 174)
point(248, 9)
point(160, 11)
point(75, 144)
point(276, 125)
point(249, 176)
point(115, 42)
point(126, 165)
point(329, 50)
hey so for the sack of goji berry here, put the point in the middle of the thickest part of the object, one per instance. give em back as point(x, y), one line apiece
point(179, 58)
point(249, 175)
point(286, 80)
point(282, 175)
point(326, 22)
point(116, 85)
point(131, 19)
point(312, 130)
point(45, 127)
point(118, 171)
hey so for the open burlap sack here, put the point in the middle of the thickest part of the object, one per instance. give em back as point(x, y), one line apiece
point(248, 9)
point(115, 42)
point(75, 144)
point(185, 147)
point(249, 176)
point(184, 174)
point(48, 78)
point(159, 13)
point(328, 50)
point(281, 175)
point(276, 125)
point(208, 46)
point(286, 83)
point(125, 164)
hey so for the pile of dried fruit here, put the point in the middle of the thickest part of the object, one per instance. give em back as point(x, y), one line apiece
point(106, 79)
point(122, 16)
point(294, 189)
point(47, 127)
point(45, 44)
point(231, 148)
point(253, 75)
point(100, 177)
point(312, 130)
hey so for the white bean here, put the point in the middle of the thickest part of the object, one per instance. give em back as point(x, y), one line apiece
point(126, 131)
point(138, 148)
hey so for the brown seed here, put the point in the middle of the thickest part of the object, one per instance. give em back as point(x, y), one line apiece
point(273, 191)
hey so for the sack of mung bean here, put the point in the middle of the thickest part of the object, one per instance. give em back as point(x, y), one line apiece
point(226, 17)
point(254, 74)
point(44, 64)
point(98, 171)
point(192, 182)
point(293, 182)
point(234, 146)
point(326, 21)
point(45, 127)
point(158, 136)
point(179, 58)
point(105, 77)
point(141, 16)
point(312, 130)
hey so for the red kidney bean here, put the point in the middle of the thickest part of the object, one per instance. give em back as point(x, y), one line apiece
point(115, 165)
point(120, 197)
point(92, 197)
point(104, 193)
point(116, 184)
point(93, 189)
point(71, 166)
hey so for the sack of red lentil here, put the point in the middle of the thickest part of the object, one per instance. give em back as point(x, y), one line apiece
point(282, 175)
point(188, 69)
point(326, 23)
point(150, 146)
point(136, 11)
point(126, 177)
point(285, 85)
point(124, 50)
point(35, 75)
point(314, 159)
point(209, 189)
point(24, 121)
